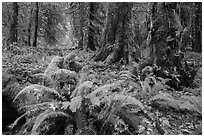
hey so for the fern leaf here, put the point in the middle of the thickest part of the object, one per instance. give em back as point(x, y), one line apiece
point(192, 103)
point(147, 69)
point(125, 72)
point(47, 115)
point(104, 89)
point(34, 93)
point(131, 118)
point(158, 87)
point(63, 74)
point(145, 87)
point(16, 121)
point(65, 104)
point(42, 79)
point(165, 100)
point(75, 103)
point(81, 88)
point(125, 76)
point(128, 100)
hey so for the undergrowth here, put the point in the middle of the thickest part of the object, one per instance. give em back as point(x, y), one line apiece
point(93, 99)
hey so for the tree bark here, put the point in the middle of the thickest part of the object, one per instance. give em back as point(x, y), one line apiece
point(91, 38)
point(115, 35)
point(36, 26)
point(197, 36)
point(13, 29)
point(81, 25)
point(29, 26)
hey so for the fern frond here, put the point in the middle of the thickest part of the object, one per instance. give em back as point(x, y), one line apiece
point(42, 79)
point(145, 87)
point(64, 75)
point(165, 100)
point(36, 93)
point(16, 121)
point(12, 90)
point(158, 87)
point(192, 103)
point(47, 115)
point(128, 100)
point(82, 88)
point(75, 103)
point(147, 69)
point(104, 89)
point(54, 65)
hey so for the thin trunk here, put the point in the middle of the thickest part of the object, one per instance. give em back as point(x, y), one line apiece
point(13, 29)
point(36, 26)
point(29, 27)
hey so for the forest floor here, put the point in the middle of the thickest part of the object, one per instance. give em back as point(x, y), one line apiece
point(166, 120)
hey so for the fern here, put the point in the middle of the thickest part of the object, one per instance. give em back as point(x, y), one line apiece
point(145, 87)
point(64, 76)
point(12, 90)
point(69, 129)
point(36, 93)
point(189, 103)
point(45, 116)
point(8, 79)
point(113, 103)
point(147, 70)
point(192, 103)
point(42, 79)
point(165, 100)
point(16, 121)
point(80, 90)
point(100, 91)
point(54, 65)
point(75, 103)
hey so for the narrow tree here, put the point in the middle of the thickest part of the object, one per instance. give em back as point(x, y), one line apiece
point(36, 25)
point(13, 29)
point(29, 25)
point(115, 36)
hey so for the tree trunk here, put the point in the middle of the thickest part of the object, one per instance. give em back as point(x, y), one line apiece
point(29, 26)
point(115, 35)
point(91, 38)
point(197, 36)
point(81, 25)
point(13, 29)
point(36, 26)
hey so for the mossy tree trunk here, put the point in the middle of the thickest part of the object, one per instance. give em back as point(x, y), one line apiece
point(30, 25)
point(81, 25)
point(197, 27)
point(13, 29)
point(115, 36)
point(91, 38)
point(36, 25)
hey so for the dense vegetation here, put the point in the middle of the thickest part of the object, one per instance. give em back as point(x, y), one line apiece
point(81, 68)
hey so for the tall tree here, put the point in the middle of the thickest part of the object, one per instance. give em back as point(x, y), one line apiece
point(81, 24)
point(13, 29)
point(197, 27)
point(29, 25)
point(36, 25)
point(115, 36)
point(91, 38)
